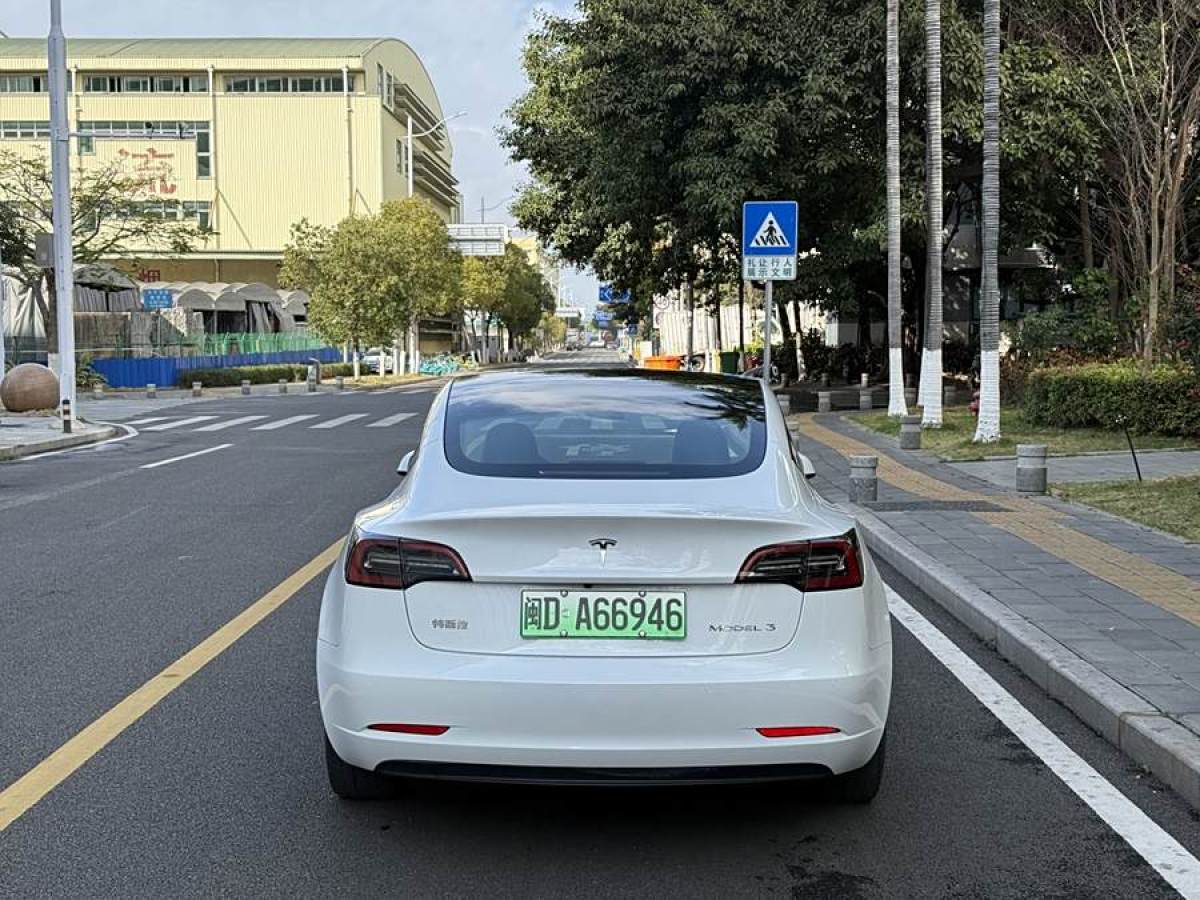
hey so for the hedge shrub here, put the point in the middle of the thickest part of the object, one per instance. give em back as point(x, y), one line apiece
point(1162, 399)
point(235, 375)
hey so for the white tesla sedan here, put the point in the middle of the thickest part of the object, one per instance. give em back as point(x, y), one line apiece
point(604, 576)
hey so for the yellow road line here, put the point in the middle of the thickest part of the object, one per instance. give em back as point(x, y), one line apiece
point(20, 796)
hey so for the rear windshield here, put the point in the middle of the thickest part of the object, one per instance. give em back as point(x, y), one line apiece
point(606, 425)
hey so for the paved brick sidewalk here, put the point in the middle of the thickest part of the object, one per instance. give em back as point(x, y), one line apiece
point(1122, 597)
point(1095, 467)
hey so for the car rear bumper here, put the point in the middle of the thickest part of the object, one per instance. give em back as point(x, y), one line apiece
point(557, 719)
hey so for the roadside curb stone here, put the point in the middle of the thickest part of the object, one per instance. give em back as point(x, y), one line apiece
point(1141, 731)
point(66, 442)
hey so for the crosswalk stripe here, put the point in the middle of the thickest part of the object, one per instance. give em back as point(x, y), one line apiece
point(283, 423)
point(148, 421)
point(391, 420)
point(340, 420)
point(221, 426)
point(167, 426)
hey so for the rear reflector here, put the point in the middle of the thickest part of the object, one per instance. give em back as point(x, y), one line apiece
point(400, 728)
point(797, 731)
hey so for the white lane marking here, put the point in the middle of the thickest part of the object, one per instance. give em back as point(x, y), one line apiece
point(221, 426)
point(340, 420)
point(126, 433)
point(391, 420)
point(167, 426)
point(283, 423)
point(1165, 855)
point(175, 459)
point(148, 421)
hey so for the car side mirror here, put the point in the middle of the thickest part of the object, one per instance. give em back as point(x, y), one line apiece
point(806, 466)
point(406, 462)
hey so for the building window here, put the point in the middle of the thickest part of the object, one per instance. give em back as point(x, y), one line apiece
point(23, 84)
point(13, 130)
point(391, 88)
point(401, 156)
point(136, 84)
point(285, 84)
point(86, 145)
point(198, 211)
point(101, 84)
point(379, 81)
point(203, 154)
point(145, 84)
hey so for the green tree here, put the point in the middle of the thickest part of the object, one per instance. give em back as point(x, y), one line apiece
point(115, 214)
point(371, 277)
point(507, 289)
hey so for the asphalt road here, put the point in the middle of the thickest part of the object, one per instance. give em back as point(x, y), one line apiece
point(110, 571)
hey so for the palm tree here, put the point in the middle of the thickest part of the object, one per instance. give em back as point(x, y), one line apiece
point(988, 429)
point(896, 404)
point(931, 355)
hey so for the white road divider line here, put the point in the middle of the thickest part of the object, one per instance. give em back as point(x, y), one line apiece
point(283, 423)
point(167, 426)
point(221, 426)
point(175, 459)
point(391, 420)
point(148, 421)
point(340, 420)
point(1165, 855)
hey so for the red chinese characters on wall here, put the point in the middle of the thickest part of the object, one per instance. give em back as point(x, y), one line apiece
point(155, 168)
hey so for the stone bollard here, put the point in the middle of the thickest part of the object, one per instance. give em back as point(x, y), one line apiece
point(864, 380)
point(950, 396)
point(283, 385)
point(824, 401)
point(910, 397)
point(825, 379)
point(1031, 468)
point(151, 391)
point(910, 432)
point(197, 389)
point(312, 384)
point(245, 388)
point(864, 482)
point(865, 400)
point(340, 382)
point(97, 392)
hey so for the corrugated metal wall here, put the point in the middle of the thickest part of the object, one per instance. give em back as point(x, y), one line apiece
point(165, 371)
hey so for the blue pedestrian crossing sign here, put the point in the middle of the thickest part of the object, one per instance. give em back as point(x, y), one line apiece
point(769, 240)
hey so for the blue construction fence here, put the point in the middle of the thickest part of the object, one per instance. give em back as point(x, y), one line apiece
point(165, 371)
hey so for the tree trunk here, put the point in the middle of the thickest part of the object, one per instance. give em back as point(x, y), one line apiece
point(987, 429)
point(1085, 215)
point(691, 323)
point(931, 360)
point(895, 313)
point(357, 370)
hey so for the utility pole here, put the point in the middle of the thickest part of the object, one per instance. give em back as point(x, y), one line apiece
point(408, 157)
point(3, 314)
point(768, 300)
point(64, 261)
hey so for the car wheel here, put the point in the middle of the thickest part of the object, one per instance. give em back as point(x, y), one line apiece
point(861, 785)
point(350, 782)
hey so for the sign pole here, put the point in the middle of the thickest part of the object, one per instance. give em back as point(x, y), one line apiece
point(768, 299)
point(64, 262)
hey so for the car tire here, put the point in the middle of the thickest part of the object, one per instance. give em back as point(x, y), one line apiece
point(350, 782)
point(861, 785)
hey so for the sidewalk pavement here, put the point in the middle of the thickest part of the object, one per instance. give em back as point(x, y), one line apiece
point(23, 435)
point(1102, 613)
point(1092, 467)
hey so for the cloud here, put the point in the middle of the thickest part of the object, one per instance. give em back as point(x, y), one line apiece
point(472, 49)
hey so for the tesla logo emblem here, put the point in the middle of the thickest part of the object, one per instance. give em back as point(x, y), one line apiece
point(603, 545)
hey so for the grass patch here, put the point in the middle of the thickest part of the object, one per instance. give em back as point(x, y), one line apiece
point(954, 439)
point(1169, 504)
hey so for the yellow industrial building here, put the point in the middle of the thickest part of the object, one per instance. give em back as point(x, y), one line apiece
point(247, 136)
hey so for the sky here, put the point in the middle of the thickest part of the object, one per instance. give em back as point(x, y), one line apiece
point(472, 49)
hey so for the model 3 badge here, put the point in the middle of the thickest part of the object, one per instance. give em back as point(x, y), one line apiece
point(603, 545)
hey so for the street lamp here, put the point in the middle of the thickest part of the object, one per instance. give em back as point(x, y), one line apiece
point(484, 210)
point(408, 162)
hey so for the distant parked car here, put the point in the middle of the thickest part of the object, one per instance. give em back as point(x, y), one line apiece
point(377, 360)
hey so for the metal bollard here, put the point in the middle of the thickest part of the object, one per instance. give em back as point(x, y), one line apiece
point(66, 416)
point(340, 382)
point(283, 385)
point(824, 401)
point(151, 391)
point(1031, 468)
point(910, 432)
point(245, 388)
point(197, 389)
point(865, 400)
point(864, 482)
point(910, 396)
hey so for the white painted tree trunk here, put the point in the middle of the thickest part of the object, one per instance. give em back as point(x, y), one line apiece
point(931, 359)
point(896, 404)
point(987, 429)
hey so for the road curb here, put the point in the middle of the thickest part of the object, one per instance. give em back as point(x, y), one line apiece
point(1140, 730)
point(66, 442)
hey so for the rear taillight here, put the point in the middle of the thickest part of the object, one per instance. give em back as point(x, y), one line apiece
point(398, 563)
point(828, 564)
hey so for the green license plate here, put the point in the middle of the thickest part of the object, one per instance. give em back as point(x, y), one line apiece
point(617, 613)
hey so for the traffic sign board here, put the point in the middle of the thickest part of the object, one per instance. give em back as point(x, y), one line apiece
point(608, 295)
point(769, 235)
